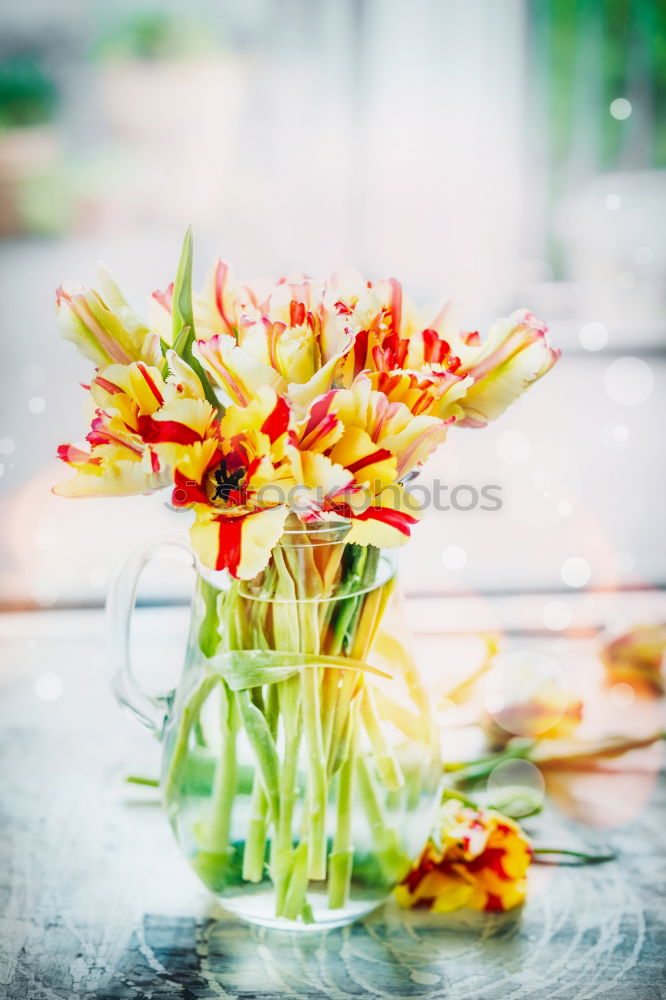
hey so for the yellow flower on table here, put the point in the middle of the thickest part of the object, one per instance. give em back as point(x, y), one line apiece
point(638, 658)
point(474, 857)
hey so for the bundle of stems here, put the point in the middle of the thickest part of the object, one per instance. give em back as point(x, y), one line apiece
point(287, 654)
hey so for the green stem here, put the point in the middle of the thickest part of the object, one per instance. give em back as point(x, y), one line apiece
point(388, 848)
point(254, 852)
point(329, 696)
point(466, 774)
point(303, 571)
point(282, 856)
point(188, 717)
point(358, 564)
point(316, 770)
point(590, 859)
point(345, 608)
point(298, 882)
point(341, 857)
point(224, 785)
point(349, 679)
point(385, 759)
point(138, 779)
point(286, 631)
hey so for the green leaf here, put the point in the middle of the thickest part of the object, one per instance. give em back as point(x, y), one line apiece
point(249, 668)
point(453, 793)
point(182, 320)
point(181, 310)
point(517, 801)
point(262, 742)
point(181, 344)
point(209, 636)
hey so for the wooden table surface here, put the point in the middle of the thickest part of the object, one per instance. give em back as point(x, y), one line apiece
point(97, 902)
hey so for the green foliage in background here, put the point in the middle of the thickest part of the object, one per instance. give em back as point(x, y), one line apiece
point(28, 96)
point(584, 54)
point(153, 35)
point(587, 53)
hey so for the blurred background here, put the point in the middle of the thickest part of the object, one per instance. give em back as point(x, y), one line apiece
point(503, 154)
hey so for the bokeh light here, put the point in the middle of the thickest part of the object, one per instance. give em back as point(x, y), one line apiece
point(454, 557)
point(44, 594)
point(629, 381)
point(513, 446)
point(556, 615)
point(593, 336)
point(622, 695)
point(526, 692)
point(620, 108)
point(36, 404)
point(49, 686)
point(626, 280)
point(575, 571)
point(518, 781)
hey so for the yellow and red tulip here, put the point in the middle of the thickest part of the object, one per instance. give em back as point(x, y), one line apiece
point(235, 371)
point(474, 857)
point(138, 414)
point(222, 478)
point(515, 354)
point(102, 324)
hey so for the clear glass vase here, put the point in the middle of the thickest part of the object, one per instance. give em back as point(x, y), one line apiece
point(301, 766)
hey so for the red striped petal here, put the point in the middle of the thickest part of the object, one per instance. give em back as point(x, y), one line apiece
point(277, 421)
point(109, 387)
point(229, 542)
point(296, 313)
point(221, 272)
point(150, 382)
point(186, 491)
point(156, 431)
point(376, 456)
point(394, 518)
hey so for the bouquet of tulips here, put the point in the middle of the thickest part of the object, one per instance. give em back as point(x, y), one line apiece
point(297, 410)
point(244, 396)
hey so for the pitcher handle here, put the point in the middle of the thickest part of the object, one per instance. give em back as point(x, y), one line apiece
point(148, 708)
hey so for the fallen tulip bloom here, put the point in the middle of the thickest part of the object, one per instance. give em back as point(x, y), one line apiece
point(474, 857)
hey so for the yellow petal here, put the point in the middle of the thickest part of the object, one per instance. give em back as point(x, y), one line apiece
point(120, 479)
point(238, 540)
point(197, 414)
point(182, 377)
point(191, 460)
point(387, 521)
point(147, 387)
point(235, 371)
point(368, 462)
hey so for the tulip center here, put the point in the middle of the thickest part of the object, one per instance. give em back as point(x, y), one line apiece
point(226, 482)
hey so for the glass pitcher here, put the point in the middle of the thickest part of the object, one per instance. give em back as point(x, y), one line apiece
point(300, 765)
